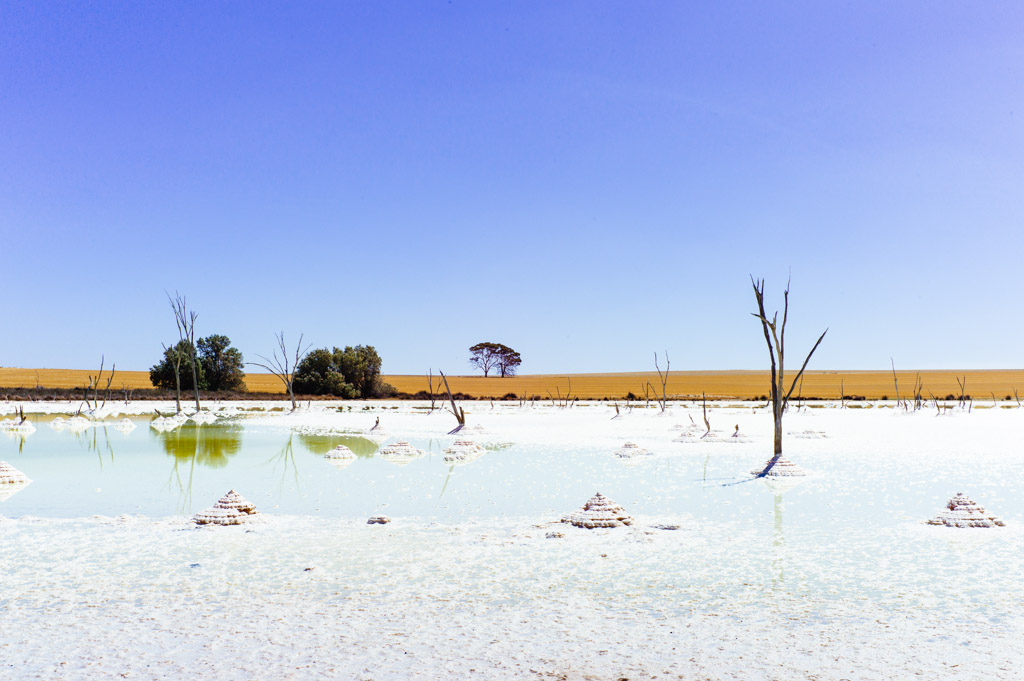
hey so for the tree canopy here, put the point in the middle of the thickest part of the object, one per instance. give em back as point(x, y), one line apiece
point(350, 373)
point(487, 356)
point(218, 365)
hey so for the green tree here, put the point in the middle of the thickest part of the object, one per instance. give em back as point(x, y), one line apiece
point(319, 374)
point(487, 356)
point(218, 365)
point(221, 364)
point(350, 373)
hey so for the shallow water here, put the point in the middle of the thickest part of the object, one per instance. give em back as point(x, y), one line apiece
point(842, 558)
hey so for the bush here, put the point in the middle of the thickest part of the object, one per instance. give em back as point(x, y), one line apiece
point(350, 373)
point(218, 366)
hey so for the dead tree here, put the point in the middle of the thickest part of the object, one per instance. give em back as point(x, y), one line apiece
point(1016, 397)
point(707, 424)
point(663, 377)
point(774, 332)
point(458, 412)
point(895, 382)
point(94, 385)
point(430, 389)
point(963, 387)
point(279, 365)
point(186, 321)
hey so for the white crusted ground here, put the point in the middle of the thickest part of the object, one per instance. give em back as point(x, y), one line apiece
point(494, 598)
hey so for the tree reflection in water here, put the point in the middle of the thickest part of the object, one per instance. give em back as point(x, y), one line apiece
point(321, 444)
point(209, 446)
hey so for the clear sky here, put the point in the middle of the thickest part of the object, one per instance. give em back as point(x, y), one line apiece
point(587, 182)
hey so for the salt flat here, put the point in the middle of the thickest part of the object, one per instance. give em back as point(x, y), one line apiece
point(836, 579)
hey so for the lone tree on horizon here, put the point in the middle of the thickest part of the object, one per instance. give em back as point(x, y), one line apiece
point(487, 356)
point(776, 352)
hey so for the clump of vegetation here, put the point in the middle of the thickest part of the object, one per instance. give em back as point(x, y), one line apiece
point(350, 373)
point(219, 366)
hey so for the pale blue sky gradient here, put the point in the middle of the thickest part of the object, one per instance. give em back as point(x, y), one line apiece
point(586, 182)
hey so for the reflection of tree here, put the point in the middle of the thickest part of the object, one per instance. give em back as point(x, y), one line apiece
point(209, 446)
point(321, 444)
point(778, 545)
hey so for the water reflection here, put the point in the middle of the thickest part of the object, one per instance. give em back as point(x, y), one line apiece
point(321, 444)
point(209, 446)
point(778, 545)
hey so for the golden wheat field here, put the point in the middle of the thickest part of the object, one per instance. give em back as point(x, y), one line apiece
point(981, 384)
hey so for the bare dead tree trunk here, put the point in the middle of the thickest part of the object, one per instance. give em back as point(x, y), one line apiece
point(776, 352)
point(458, 412)
point(664, 380)
point(707, 424)
point(186, 321)
point(963, 387)
point(895, 382)
point(279, 366)
point(430, 388)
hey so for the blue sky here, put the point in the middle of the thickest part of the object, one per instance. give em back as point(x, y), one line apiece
point(587, 182)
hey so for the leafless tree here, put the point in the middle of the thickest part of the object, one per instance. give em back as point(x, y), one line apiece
point(186, 322)
point(94, 385)
point(777, 333)
point(458, 412)
point(279, 365)
point(963, 387)
point(895, 382)
point(707, 423)
point(430, 390)
point(663, 377)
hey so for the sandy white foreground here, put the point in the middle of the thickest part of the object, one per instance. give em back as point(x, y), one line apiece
point(492, 597)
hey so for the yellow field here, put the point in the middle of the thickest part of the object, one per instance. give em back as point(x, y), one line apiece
point(717, 384)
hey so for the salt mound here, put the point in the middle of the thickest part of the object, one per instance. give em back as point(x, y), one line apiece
point(203, 417)
point(9, 475)
point(600, 511)
point(78, 423)
point(463, 451)
point(400, 452)
point(59, 423)
point(125, 425)
point(340, 456)
point(631, 450)
point(960, 511)
point(230, 509)
point(376, 434)
point(165, 423)
point(17, 425)
point(783, 468)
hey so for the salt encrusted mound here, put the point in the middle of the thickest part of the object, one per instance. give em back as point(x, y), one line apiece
point(17, 425)
point(203, 418)
point(340, 457)
point(600, 511)
point(230, 509)
point(960, 511)
point(125, 425)
point(59, 423)
point(376, 434)
point(400, 452)
point(631, 450)
point(340, 452)
point(378, 520)
point(78, 423)
point(165, 423)
point(462, 451)
point(783, 468)
point(9, 475)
